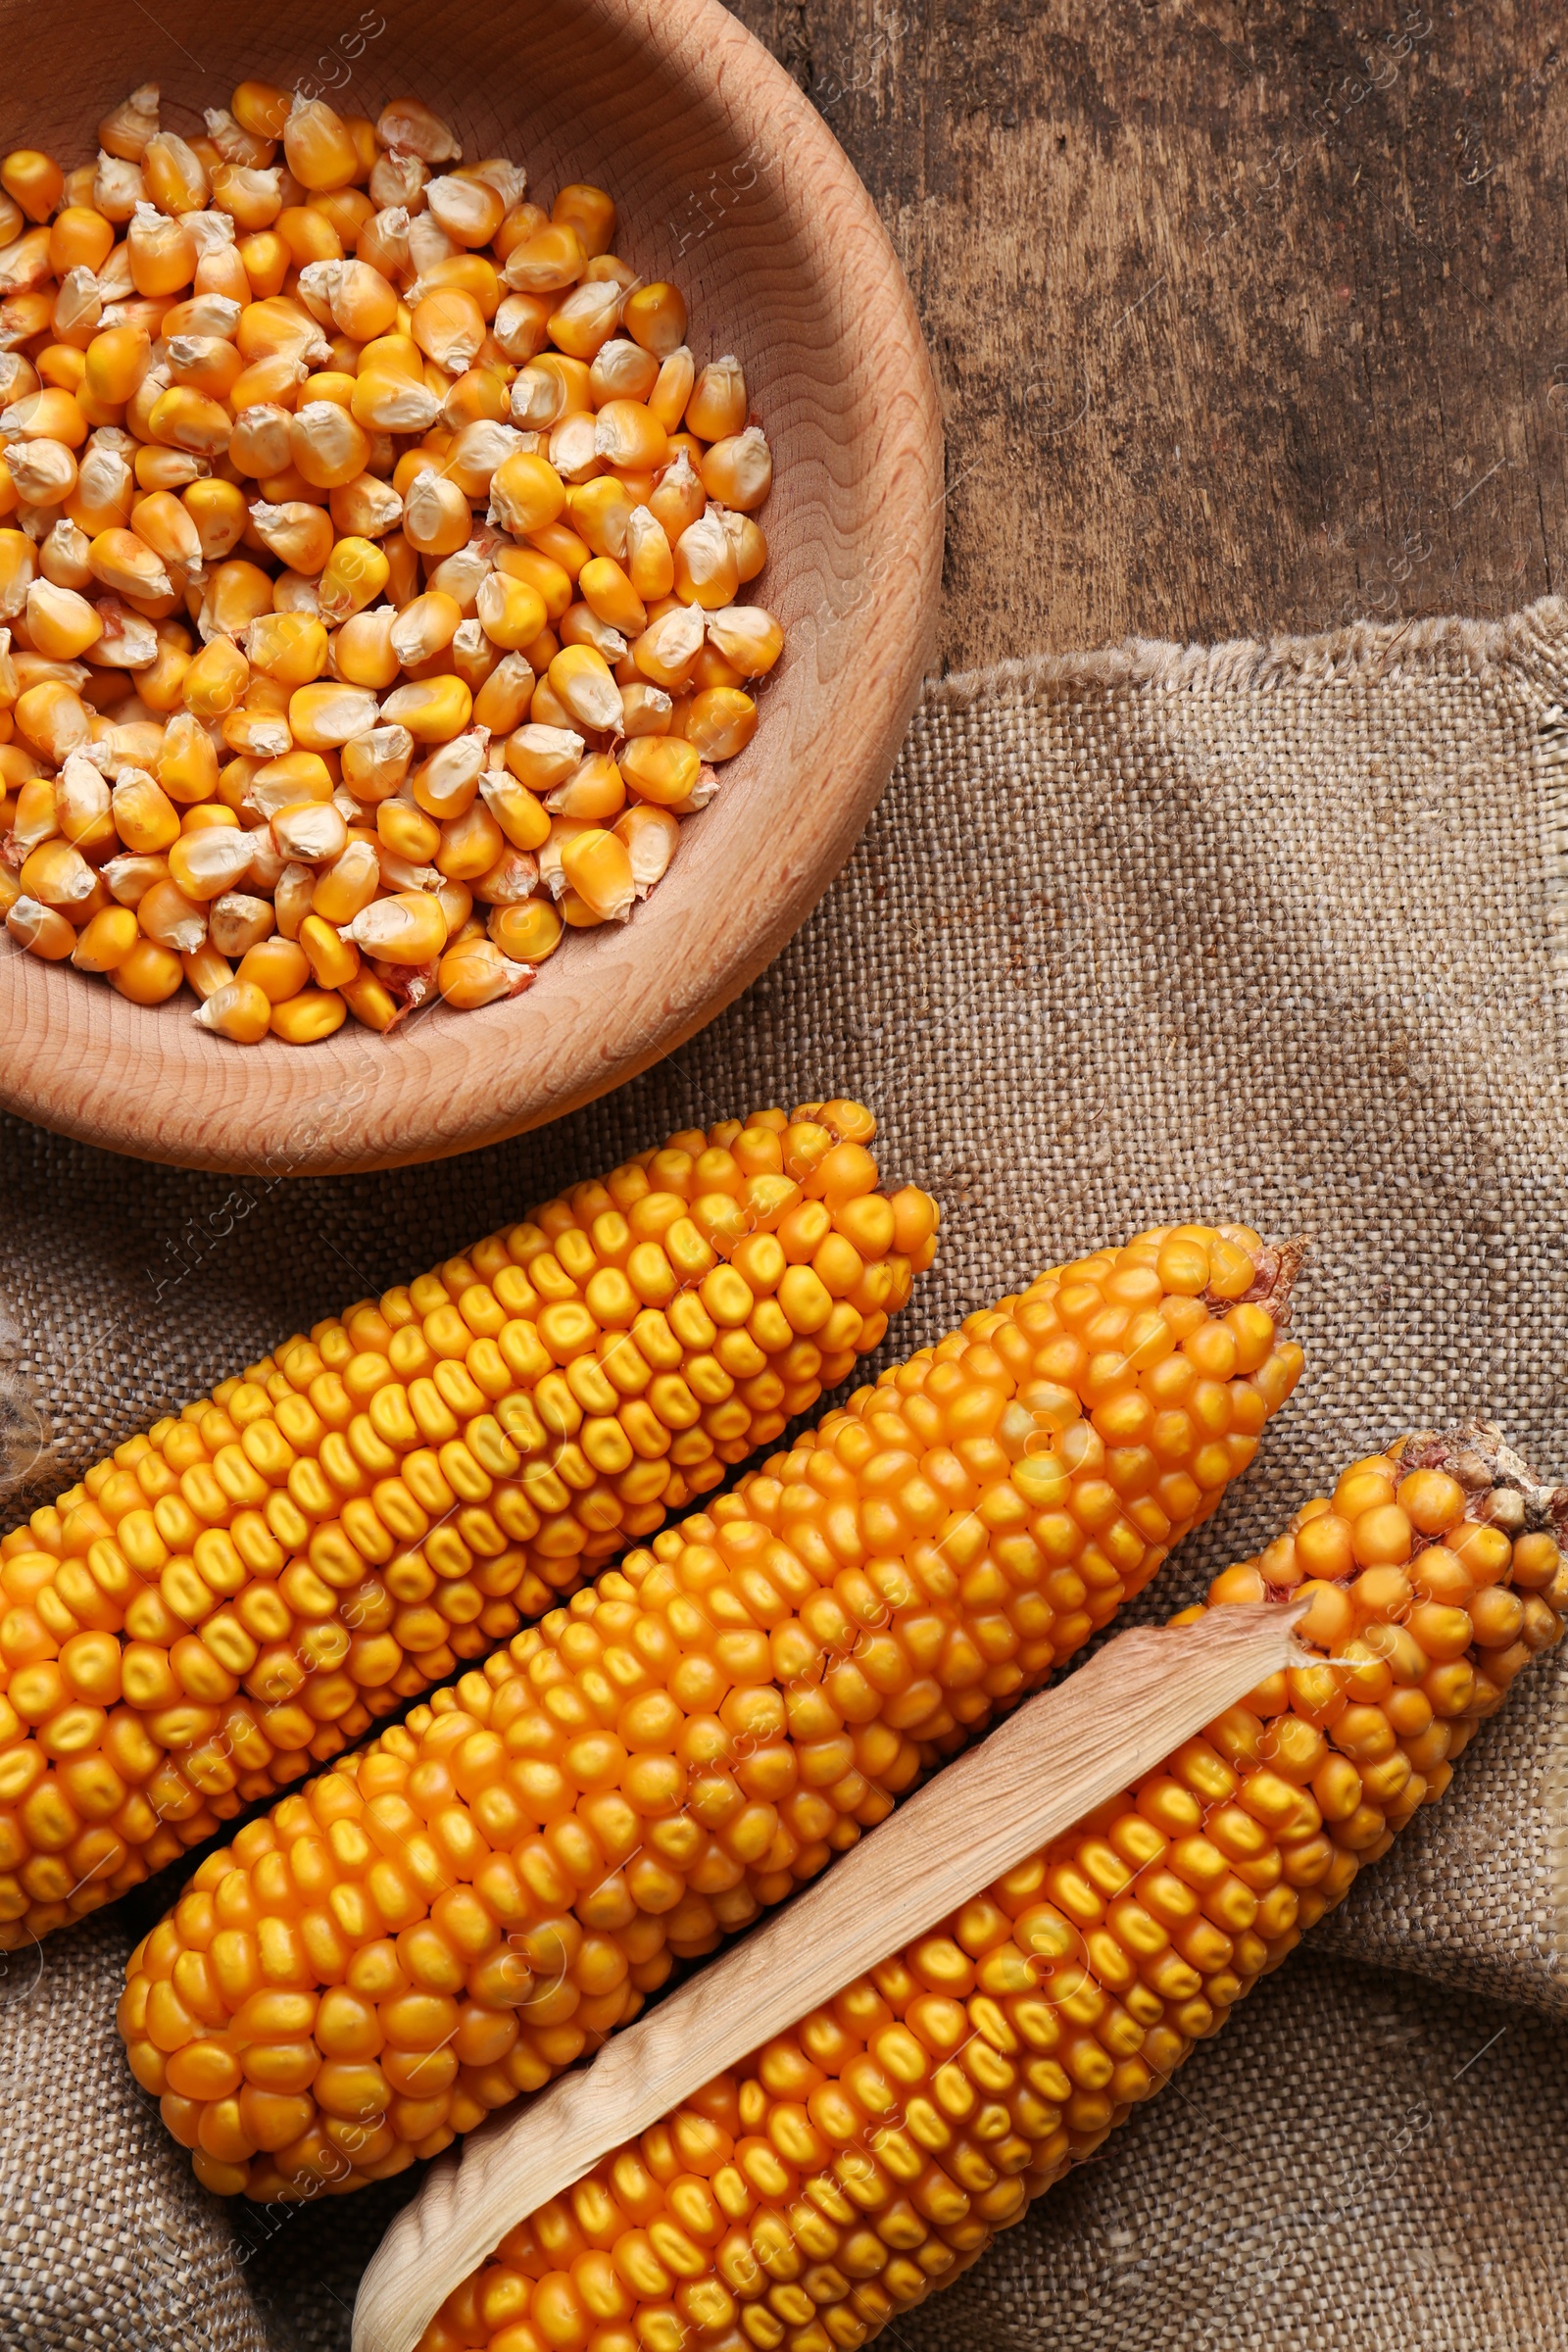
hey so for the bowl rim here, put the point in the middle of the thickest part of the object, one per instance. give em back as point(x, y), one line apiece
point(84, 1062)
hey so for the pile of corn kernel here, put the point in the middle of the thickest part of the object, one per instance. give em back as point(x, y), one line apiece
point(371, 547)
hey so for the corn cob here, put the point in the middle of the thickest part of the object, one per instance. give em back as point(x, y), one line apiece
point(447, 1920)
point(871, 2155)
point(239, 1594)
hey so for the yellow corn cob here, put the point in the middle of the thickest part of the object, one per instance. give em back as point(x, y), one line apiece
point(240, 1593)
point(445, 1919)
point(852, 2165)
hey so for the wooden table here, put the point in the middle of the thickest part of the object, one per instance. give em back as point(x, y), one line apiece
point(1246, 317)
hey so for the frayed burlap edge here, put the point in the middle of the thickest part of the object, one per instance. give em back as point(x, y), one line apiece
point(26, 1453)
point(1249, 664)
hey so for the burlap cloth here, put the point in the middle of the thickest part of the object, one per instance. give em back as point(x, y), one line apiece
point(1260, 931)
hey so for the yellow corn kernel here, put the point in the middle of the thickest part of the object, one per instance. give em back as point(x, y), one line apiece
point(292, 777)
point(162, 469)
point(528, 932)
point(476, 974)
point(167, 528)
point(290, 647)
point(669, 647)
point(53, 719)
point(511, 612)
point(207, 970)
point(674, 388)
point(349, 883)
point(707, 571)
point(549, 579)
point(661, 769)
point(326, 444)
point(48, 415)
point(34, 181)
point(103, 944)
point(248, 193)
point(58, 874)
point(238, 920)
point(162, 254)
point(598, 868)
point(237, 592)
point(436, 517)
point(526, 493)
point(205, 863)
point(176, 178)
point(748, 638)
point(278, 968)
point(721, 723)
point(364, 508)
point(471, 844)
point(371, 1003)
point(239, 1011)
point(311, 832)
point(148, 975)
point(582, 682)
point(425, 627)
point(432, 710)
point(738, 472)
point(550, 260)
point(654, 316)
point(307, 1019)
point(323, 715)
point(611, 596)
point(332, 961)
point(299, 534)
point(375, 764)
point(408, 124)
point(126, 128)
point(523, 818)
point(218, 510)
point(650, 835)
point(595, 791)
point(216, 679)
point(145, 818)
point(191, 421)
point(19, 563)
point(187, 764)
point(449, 327)
point(61, 623)
point(408, 927)
point(261, 109)
point(42, 930)
point(320, 149)
point(407, 832)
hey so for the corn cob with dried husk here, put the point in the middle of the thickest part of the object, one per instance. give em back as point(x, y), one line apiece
point(240, 1593)
point(447, 1920)
point(801, 2202)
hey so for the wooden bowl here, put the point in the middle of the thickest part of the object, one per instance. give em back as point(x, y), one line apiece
point(728, 182)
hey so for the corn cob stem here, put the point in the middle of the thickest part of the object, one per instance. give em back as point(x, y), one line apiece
point(804, 2200)
point(448, 1919)
point(240, 1593)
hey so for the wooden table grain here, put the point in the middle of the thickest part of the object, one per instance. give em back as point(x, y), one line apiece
point(1246, 317)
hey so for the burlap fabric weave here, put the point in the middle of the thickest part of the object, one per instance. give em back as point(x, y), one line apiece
point(1260, 931)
